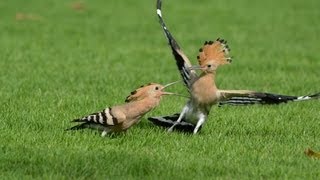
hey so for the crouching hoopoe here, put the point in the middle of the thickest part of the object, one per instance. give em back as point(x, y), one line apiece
point(121, 117)
point(203, 90)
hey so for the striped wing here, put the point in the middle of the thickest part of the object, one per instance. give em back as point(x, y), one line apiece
point(240, 97)
point(168, 121)
point(182, 60)
point(103, 118)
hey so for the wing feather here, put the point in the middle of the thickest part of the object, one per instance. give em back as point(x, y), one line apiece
point(182, 60)
point(244, 97)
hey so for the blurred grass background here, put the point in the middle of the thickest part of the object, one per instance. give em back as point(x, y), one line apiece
point(63, 59)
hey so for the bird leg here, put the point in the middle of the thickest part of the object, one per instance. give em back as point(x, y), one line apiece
point(202, 119)
point(184, 110)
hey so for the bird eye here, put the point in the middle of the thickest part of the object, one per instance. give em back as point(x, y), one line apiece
point(209, 66)
point(156, 88)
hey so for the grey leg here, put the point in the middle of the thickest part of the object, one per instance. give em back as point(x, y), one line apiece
point(184, 110)
point(202, 119)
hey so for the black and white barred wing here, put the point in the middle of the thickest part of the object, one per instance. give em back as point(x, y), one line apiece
point(98, 120)
point(182, 60)
point(242, 97)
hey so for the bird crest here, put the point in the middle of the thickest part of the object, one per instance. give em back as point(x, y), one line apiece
point(139, 93)
point(217, 51)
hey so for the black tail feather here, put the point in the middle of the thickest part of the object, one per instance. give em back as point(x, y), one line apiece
point(78, 127)
point(78, 120)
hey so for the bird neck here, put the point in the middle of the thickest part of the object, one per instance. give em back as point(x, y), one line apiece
point(212, 74)
point(207, 79)
point(204, 89)
point(137, 109)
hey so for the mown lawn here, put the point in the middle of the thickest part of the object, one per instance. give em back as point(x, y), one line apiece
point(58, 63)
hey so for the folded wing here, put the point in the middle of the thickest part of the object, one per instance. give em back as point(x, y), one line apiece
point(97, 120)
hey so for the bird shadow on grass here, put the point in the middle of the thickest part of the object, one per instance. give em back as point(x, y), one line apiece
point(178, 129)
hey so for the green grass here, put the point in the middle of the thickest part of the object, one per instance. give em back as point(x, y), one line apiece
point(66, 64)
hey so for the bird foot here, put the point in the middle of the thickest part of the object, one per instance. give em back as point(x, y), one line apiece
point(104, 133)
point(170, 129)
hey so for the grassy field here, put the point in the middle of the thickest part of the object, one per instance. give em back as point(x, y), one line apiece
point(58, 63)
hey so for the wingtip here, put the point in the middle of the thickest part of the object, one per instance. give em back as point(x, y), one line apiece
point(308, 97)
point(159, 3)
point(315, 96)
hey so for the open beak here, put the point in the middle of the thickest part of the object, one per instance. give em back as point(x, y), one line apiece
point(167, 85)
point(170, 93)
point(167, 93)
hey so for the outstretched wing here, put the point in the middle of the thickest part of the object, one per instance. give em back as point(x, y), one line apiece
point(182, 60)
point(168, 121)
point(104, 118)
point(244, 97)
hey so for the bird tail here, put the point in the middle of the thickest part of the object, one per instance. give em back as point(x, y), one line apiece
point(168, 121)
point(99, 120)
point(79, 126)
point(266, 98)
point(84, 125)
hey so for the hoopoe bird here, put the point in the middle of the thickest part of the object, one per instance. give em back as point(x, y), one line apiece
point(121, 117)
point(202, 88)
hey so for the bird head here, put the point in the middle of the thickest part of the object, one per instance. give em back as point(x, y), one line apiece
point(151, 90)
point(212, 55)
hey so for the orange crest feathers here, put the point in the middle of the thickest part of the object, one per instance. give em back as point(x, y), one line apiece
point(217, 51)
point(139, 93)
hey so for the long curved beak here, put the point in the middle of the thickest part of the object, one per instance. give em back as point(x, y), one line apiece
point(170, 93)
point(167, 85)
point(196, 68)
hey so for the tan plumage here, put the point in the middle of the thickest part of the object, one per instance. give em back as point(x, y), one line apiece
point(215, 51)
point(121, 117)
point(202, 88)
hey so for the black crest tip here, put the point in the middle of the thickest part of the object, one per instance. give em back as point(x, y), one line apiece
point(221, 40)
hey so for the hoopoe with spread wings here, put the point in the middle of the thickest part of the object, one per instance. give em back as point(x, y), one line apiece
point(120, 118)
point(203, 90)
